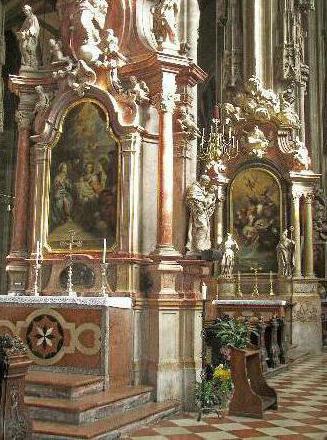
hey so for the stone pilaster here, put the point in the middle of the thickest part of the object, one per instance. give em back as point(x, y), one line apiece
point(296, 195)
point(163, 363)
point(129, 203)
point(308, 236)
point(39, 195)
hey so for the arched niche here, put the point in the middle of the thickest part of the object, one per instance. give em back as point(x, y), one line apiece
point(256, 216)
point(84, 175)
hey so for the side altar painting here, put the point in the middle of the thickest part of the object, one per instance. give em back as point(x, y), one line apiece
point(84, 176)
point(255, 199)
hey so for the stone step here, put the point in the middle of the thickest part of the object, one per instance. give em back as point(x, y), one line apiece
point(88, 408)
point(106, 429)
point(60, 385)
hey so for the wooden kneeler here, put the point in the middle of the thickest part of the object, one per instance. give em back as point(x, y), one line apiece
point(252, 395)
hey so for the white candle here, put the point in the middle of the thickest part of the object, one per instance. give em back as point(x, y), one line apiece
point(104, 250)
point(37, 250)
point(204, 290)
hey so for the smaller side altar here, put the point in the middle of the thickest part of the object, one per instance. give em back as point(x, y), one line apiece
point(251, 213)
point(73, 334)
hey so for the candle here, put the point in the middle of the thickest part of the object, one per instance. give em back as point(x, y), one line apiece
point(204, 290)
point(37, 250)
point(104, 250)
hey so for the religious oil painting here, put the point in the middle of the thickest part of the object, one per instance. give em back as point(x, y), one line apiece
point(84, 176)
point(256, 218)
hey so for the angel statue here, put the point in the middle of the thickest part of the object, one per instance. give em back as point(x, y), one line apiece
point(228, 259)
point(286, 255)
point(28, 37)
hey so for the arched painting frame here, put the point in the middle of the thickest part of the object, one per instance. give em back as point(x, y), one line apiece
point(84, 174)
point(256, 217)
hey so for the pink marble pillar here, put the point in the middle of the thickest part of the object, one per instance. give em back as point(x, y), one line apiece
point(22, 181)
point(165, 103)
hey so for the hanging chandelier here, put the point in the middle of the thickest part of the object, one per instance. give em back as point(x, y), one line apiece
point(219, 142)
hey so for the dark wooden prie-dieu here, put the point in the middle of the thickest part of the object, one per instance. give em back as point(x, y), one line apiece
point(15, 423)
point(251, 395)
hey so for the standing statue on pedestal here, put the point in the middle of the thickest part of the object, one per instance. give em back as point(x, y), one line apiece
point(165, 14)
point(28, 37)
point(286, 255)
point(201, 201)
point(228, 258)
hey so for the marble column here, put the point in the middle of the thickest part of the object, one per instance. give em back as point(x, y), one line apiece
point(165, 103)
point(22, 183)
point(296, 195)
point(253, 38)
point(308, 236)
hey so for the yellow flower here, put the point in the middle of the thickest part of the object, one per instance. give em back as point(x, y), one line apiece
point(222, 373)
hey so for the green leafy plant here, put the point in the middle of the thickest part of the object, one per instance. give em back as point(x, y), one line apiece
point(232, 332)
point(206, 394)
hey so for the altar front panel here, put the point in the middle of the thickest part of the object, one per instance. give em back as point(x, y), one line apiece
point(82, 335)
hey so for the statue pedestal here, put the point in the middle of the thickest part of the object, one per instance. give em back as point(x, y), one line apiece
point(226, 288)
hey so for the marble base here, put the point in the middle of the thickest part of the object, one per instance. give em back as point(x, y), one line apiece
point(305, 324)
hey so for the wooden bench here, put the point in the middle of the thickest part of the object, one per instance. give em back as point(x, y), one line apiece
point(251, 395)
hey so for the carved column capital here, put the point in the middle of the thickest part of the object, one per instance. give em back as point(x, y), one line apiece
point(40, 152)
point(24, 119)
point(131, 143)
point(296, 194)
point(165, 102)
point(308, 197)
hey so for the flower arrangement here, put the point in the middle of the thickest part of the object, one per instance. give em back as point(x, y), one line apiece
point(215, 388)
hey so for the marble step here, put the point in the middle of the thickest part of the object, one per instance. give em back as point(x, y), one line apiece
point(88, 408)
point(60, 385)
point(106, 429)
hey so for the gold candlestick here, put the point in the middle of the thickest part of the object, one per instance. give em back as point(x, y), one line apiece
point(255, 269)
point(271, 293)
point(239, 291)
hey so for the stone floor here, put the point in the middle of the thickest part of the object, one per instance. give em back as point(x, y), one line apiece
point(302, 412)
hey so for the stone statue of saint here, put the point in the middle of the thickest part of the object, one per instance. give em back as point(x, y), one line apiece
point(165, 14)
point(286, 255)
point(228, 258)
point(28, 37)
point(301, 153)
point(201, 201)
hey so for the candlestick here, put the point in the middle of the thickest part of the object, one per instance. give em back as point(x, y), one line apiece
point(104, 251)
point(271, 293)
point(255, 288)
point(72, 242)
point(239, 291)
point(104, 281)
point(204, 290)
point(37, 267)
